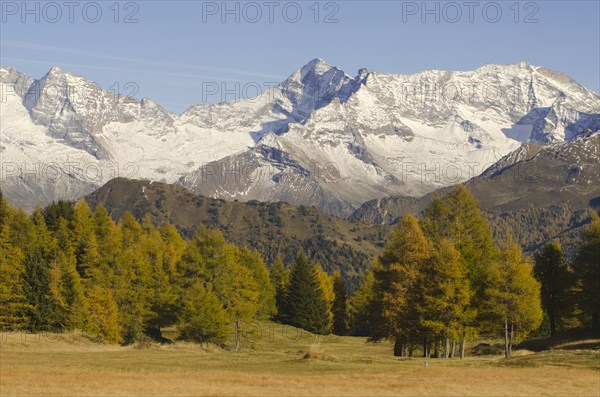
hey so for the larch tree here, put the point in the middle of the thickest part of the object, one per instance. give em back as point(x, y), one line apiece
point(326, 284)
point(133, 280)
point(360, 311)
point(13, 299)
point(266, 291)
point(203, 318)
point(102, 316)
point(4, 210)
point(512, 295)
point(280, 278)
point(457, 216)
point(164, 305)
point(84, 239)
point(174, 246)
point(446, 297)
point(399, 284)
point(235, 287)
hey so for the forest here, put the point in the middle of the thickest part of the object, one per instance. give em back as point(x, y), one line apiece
point(440, 280)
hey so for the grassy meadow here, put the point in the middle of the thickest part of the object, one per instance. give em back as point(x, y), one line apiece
point(281, 360)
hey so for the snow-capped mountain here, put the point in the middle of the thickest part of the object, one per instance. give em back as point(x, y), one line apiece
point(320, 138)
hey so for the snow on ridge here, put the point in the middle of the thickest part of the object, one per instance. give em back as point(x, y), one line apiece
point(369, 126)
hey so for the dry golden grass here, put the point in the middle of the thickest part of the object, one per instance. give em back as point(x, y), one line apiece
point(74, 366)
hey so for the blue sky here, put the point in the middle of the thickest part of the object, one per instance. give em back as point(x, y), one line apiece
point(173, 50)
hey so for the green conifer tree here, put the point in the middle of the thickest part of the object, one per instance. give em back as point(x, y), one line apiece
point(557, 282)
point(340, 310)
point(586, 266)
point(305, 299)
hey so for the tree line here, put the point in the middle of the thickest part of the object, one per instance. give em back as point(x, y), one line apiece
point(67, 267)
point(442, 280)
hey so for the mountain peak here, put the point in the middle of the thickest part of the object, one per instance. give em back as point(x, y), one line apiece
point(317, 67)
point(317, 64)
point(54, 70)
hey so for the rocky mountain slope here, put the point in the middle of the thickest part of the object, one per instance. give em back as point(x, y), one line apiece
point(319, 138)
point(537, 193)
point(271, 228)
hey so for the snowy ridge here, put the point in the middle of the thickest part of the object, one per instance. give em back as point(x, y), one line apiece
point(321, 137)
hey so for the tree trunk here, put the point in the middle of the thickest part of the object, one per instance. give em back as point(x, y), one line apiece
point(510, 343)
point(398, 347)
point(506, 346)
point(425, 348)
point(238, 334)
point(453, 348)
point(463, 340)
point(552, 319)
point(436, 347)
point(447, 349)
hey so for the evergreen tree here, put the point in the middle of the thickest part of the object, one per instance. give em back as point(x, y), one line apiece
point(340, 314)
point(65, 283)
point(305, 299)
point(40, 251)
point(557, 281)
point(56, 210)
point(587, 270)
